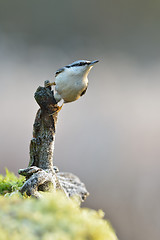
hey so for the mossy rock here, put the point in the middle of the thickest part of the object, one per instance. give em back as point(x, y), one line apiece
point(54, 217)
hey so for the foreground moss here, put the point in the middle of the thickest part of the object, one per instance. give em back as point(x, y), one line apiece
point(53, 217)
point(10, 183)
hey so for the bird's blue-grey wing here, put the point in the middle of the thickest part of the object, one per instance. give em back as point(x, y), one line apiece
point(59, 71)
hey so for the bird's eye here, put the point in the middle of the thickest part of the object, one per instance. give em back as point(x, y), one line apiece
point(82, 63)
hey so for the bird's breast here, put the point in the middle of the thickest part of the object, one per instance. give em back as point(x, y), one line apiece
point(70, 87)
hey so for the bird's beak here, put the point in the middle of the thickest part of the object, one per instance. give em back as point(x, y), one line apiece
point(93, 62)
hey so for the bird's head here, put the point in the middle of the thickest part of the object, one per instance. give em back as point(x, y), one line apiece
point(80, 67)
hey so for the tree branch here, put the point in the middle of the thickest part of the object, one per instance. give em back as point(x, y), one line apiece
point(41, 175)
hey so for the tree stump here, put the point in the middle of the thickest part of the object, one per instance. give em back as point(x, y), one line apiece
point(41, 175)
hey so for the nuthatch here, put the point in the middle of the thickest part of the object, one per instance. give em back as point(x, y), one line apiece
point(71, 81)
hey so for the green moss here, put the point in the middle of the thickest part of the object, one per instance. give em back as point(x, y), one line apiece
point(54, 217)
point(10, 182)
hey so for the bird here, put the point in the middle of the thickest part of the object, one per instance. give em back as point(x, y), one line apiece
point(71, 81)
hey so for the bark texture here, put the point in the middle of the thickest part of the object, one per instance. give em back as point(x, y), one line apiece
point(41, 175)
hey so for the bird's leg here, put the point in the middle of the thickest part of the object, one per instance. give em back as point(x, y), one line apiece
point(57, 97)
point(49, 84)
point(57, 109)
point(60, 105)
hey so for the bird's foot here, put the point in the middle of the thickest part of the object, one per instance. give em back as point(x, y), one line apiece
point(57, 109)
point(48, 84)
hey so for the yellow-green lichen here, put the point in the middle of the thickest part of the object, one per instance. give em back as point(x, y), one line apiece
point(54, 217)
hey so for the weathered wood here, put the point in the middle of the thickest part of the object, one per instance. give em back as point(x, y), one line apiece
point(41, 175)
point(42, 144)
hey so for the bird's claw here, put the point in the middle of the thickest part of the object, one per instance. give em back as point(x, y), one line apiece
point(49, 84)
point(57, 109)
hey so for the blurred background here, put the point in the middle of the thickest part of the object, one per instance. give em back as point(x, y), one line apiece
point(110, 137)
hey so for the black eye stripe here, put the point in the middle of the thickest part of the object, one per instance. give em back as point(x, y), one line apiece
point(78, 64)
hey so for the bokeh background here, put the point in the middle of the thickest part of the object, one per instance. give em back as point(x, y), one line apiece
point(110, 137)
